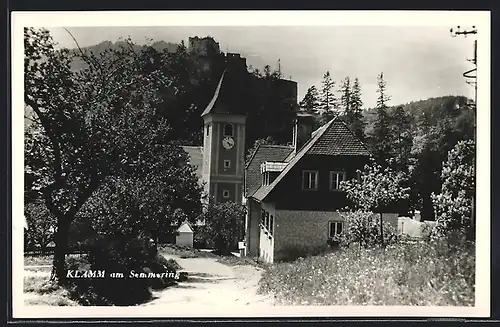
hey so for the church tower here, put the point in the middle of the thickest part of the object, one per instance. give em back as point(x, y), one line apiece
point(224, 142)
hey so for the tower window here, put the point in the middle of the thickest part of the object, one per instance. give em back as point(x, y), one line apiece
point(225, 194)
point(227, 163)
point(228, 130)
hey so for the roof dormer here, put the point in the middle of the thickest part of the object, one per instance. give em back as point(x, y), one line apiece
point(270, 170)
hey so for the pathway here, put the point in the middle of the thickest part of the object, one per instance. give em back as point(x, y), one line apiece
point(213, 283)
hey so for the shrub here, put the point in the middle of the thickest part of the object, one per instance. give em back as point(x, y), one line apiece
point(224, 223)
point(120, 255)
point(363, 228)
point(453, 206)
point(292, 253)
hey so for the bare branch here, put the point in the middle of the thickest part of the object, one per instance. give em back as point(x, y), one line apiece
point(84, 56)
point(32, 120)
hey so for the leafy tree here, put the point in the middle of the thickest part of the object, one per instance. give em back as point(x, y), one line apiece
point(267, 72)
point(97, 122)
point(271, 107)
point(162, 192)
point(377, 190)
point(224, 223)
point(454, 205)
point(328, 102)
point(381, 128)
point(310, 102)
point(41, 225)
point(256, 72)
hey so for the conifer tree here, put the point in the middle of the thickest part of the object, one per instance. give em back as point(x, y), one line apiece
point(345, 97)
point(357, 123)
point(381, 127)
point(350, 106)
point(310, 102)
point(402, 138)
point(278, 73)
point(327, 101)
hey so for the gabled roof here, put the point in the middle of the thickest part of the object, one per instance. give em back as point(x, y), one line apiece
point(333, 138)
point(339, 140)
point(185, 227)
point(262, 153)
point(227, 96)
point(293, 153)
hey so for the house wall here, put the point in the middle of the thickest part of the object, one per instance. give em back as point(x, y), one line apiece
point(185, 239)
point(307, 230)
point(303, 230)
point(289, 195)
point(252, 237)
point(266, 239)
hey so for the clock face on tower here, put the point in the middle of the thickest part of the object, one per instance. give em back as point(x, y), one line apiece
point(228, 142)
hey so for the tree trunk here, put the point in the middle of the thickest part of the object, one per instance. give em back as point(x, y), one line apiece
point(381, 230)
point(61, 241)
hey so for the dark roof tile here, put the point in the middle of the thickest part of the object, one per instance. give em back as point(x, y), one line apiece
point(339, 140)
point(333, 138)
point(263, 153)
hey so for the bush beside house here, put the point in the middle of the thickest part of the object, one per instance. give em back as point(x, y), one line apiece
point(224, 227)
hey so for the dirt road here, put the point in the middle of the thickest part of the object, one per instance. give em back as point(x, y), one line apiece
point(213, 283)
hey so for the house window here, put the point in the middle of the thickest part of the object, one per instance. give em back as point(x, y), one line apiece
point(225, 194)
point(266, 222)
point(262, 217)
point(335, 228)
point(335, 178)
point(227, 163)
point(208, 129)
point(271, 222)
point(228, 130)
point(358, 176)
point(310, 180)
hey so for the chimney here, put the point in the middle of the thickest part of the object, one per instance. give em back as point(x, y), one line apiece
point(302, 130)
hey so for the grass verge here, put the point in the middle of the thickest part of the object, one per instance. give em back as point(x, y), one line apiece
point(413, 273)
point(39, 290)
point(37, 260)
point(240, 261)
point(184, 252)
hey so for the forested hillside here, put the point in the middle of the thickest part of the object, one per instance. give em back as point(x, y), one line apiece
point(270, 102)
point(414, 138)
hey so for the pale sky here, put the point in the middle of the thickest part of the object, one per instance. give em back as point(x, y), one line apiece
point(417, 62)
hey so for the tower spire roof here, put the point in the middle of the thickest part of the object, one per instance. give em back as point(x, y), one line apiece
point(228, 96)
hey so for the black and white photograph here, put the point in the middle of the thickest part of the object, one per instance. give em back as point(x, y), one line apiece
point(251, 164)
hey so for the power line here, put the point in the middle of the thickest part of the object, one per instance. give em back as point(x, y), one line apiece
point(470, 75)
point(471, 79)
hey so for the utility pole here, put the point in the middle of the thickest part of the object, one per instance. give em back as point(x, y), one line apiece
point(471, 79)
